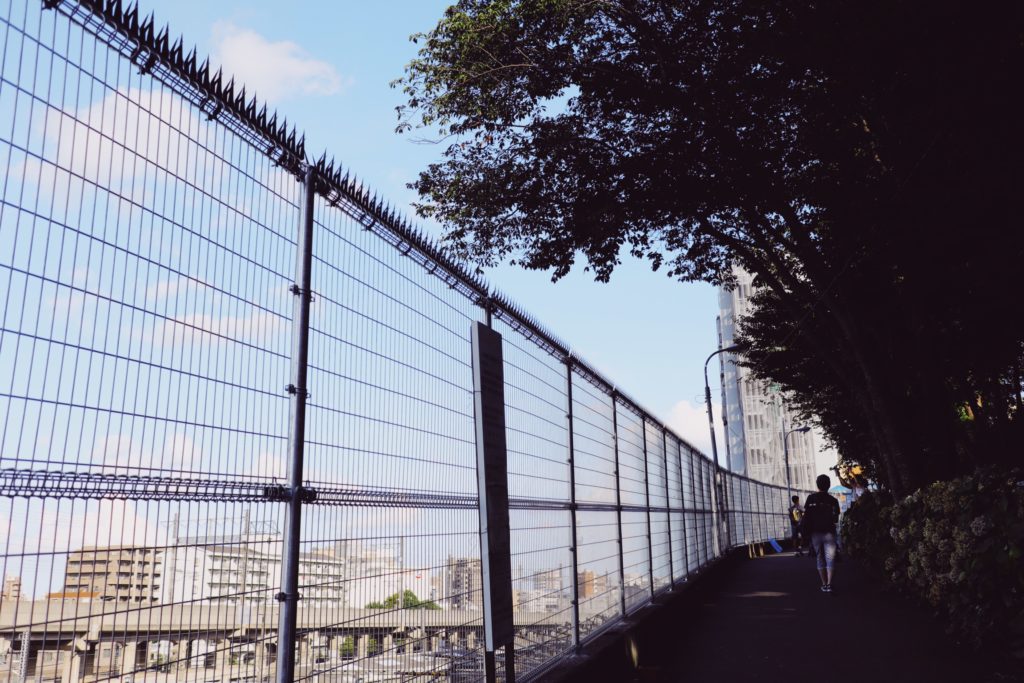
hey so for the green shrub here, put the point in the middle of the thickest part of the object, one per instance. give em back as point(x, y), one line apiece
point(865, 531)
point(957, 546)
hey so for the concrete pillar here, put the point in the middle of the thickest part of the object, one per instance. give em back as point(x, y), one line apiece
point(222, 660)
point(304, 654)
point(389, 642)
point(453, 638)
point(362, 645)
point(334, 645)
point(471, 640)
point(74, 665)
point(260, 657)
point(200, 651)
point(129, 657)
point(5, 651)
point(435, 642)
point(178, 654)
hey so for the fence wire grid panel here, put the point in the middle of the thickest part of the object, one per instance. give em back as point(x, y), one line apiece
point(230, 377)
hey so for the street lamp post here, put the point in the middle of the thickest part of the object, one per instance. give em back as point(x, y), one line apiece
point(785, 452)
point(711, 426)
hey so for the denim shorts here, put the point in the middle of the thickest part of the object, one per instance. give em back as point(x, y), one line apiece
point(824, 545)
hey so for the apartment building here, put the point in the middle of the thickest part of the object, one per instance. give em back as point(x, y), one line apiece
point(125, 574)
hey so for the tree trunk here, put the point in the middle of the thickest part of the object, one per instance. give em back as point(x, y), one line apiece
point(893, 455)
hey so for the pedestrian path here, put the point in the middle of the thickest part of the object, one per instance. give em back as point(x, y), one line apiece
point(769, 621)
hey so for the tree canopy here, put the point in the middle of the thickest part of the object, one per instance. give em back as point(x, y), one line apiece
point(411, 601)
point(857, 157)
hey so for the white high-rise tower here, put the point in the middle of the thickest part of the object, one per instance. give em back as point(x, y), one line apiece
point(756, 412)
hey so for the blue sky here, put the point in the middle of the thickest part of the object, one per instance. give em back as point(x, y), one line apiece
point(649, 334)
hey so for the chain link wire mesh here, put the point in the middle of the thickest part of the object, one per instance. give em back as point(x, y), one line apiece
point(149, 221)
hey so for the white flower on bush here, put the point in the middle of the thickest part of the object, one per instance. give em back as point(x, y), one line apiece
point(980, 525)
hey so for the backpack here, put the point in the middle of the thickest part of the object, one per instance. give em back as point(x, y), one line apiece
point(795, 514)
point(818, 514)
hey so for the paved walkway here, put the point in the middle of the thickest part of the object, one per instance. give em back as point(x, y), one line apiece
point(768, 621)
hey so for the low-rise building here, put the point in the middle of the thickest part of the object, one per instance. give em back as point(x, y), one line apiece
point(12, 588)
point(126, 574)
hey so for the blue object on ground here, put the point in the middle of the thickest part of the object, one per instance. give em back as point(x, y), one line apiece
point(775, 545)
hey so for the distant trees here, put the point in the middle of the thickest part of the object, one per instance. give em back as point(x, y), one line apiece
point(410, 602)
point(857, 157)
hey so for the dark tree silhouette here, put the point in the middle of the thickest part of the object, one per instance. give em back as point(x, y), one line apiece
point(859, 157)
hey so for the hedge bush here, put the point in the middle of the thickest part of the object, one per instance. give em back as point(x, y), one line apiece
point(956, 545)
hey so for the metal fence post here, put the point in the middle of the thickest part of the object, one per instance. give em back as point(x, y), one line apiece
point(697, 540)
point(296, 493)
point(647, 508)
point(727, 508)
point(492, 489)
point(618, 503)
point(574, 550)
point(760, 511)
point(668, 514)
point(682, 499)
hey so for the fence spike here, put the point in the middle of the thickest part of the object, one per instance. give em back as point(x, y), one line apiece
point(147, 28)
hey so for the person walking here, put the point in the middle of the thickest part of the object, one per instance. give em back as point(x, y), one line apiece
point(796, 514)
point(821, 513)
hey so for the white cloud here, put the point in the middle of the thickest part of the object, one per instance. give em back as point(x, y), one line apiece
point(121, 452)
point(179, 453)
point(115, 450)
point(110, 142)
point(270, 465)
point(691, 422)
point(273, 70)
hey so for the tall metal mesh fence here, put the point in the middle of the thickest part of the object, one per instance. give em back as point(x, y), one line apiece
point(152, 363)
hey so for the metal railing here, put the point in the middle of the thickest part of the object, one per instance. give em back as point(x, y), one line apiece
point(237, 399)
